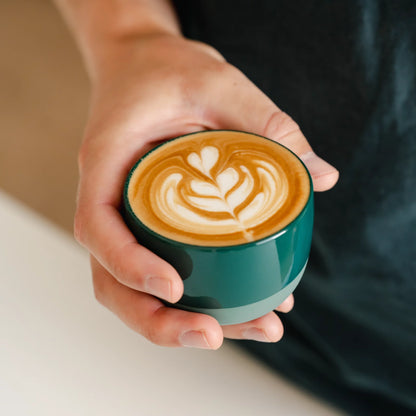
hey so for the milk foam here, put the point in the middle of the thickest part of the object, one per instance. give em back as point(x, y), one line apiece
point(218, 188)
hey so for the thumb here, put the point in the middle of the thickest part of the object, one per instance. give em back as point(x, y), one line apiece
point(238, 104)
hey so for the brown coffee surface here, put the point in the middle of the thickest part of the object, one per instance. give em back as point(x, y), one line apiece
point(218, 188)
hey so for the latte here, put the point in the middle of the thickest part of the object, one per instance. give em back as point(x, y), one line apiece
point(218, 188)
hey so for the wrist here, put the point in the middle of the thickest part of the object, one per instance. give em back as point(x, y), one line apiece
point(104, 29)
point(113, 58)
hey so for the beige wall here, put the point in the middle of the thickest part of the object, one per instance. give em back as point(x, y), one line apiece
point(43, 104)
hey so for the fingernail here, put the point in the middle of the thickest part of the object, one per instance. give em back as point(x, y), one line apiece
point(316, 165)
point(255, 334)
point(194, 339)
point(159, 286)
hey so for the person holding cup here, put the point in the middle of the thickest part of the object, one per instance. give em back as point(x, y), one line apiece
point(134, 54)
point(345, 72)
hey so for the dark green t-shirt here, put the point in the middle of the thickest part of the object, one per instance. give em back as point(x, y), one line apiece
point(346, 72)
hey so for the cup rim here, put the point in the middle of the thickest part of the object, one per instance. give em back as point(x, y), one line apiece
point(180, 244)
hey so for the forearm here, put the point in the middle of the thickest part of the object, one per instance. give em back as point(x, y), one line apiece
point(101, 27)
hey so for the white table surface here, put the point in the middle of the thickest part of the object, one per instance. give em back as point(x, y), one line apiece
point(61, 353)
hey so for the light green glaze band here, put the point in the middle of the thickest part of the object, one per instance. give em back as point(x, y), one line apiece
point(231, 316)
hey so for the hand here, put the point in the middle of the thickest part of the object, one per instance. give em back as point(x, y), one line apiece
point(151, 90)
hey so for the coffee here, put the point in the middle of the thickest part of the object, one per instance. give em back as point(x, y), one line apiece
point(218, 188)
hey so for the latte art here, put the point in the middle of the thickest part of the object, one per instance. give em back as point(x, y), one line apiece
point(239, 197)
point(218, 188)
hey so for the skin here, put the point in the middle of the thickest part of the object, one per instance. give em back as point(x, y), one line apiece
point(149, 84)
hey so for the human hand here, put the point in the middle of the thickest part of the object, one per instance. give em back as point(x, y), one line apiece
point(151, 90)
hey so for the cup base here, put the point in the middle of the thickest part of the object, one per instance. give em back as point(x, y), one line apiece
point(240, 314)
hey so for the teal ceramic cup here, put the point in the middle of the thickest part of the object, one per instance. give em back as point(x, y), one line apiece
point(236, 283)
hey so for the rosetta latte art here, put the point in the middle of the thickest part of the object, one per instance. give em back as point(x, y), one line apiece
point(218, 188)
point(240, 197)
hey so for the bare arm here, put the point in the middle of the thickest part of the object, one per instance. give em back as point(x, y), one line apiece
point(100, 27)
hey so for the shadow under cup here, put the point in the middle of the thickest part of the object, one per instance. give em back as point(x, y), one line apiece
point(237, 283)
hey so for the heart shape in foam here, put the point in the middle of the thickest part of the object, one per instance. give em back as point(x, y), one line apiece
point(206, 161)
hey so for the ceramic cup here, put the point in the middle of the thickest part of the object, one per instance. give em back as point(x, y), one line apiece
point(237, 283)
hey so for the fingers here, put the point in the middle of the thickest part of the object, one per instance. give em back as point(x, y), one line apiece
point(324, 176)
point(151, 318)
point(240, 105)
point(109, 240)
point(287, 305)
point(100, 227)
point(268, 328)
point(170, 327)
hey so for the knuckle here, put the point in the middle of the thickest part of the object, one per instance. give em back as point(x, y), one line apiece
point(126, 264)
point(210, 50)
point(216, 73)
point(156, 328)
point(198, 320)
point(228, 71)
point(150, 333)
point(190, 84)
point(114, 256)
point(279, 125)
point(222, 67)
